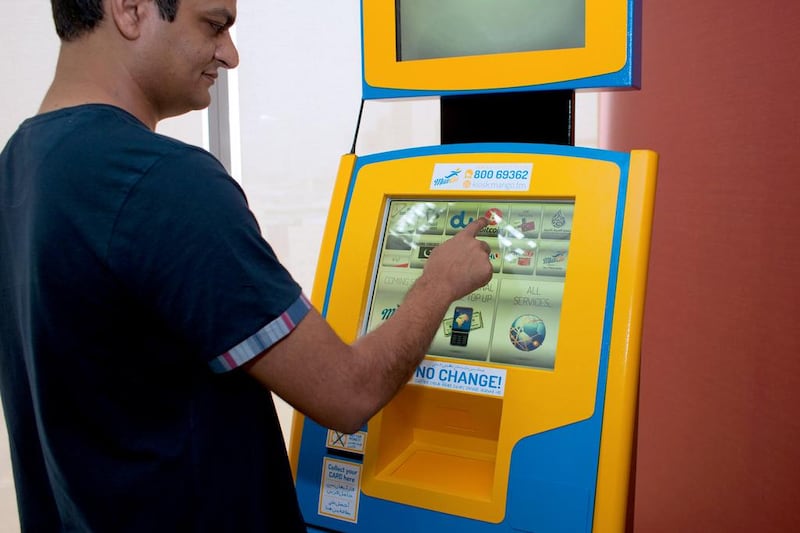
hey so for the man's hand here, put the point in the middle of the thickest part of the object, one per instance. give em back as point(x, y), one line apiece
point(459, 265)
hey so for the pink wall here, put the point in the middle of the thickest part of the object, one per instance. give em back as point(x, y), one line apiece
point(719, 420)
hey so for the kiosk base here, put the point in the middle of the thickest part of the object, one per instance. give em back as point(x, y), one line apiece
point(528, 427)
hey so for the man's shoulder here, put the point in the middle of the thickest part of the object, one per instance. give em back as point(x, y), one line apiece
point(101, 124)
point(103, 135)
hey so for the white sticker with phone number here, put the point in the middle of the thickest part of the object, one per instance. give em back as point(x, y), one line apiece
point(482, 176)
point(466, 378)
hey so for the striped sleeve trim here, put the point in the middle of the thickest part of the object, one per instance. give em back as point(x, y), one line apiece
point(263, 338)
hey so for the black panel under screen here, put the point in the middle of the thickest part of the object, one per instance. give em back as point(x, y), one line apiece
point(531, 117)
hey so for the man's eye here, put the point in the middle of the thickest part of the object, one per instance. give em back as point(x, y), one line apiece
point(218, 28)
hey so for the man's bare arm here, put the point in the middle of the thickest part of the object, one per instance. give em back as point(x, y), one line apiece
point(341, 386)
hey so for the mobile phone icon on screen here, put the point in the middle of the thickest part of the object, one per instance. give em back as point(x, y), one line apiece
point(462, 322)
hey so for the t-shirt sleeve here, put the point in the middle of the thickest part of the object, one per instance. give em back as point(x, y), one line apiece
point(191, 251)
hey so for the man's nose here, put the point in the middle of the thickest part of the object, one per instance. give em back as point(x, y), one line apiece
point(227, 53)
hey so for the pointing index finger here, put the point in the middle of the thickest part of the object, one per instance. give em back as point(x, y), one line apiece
point(475, 226)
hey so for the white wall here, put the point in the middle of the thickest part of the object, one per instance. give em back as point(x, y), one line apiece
point(29, 54)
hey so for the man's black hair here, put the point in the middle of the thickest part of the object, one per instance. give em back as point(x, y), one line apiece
point(74, 18)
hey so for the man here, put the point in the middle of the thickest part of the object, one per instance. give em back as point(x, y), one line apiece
point(145, 319)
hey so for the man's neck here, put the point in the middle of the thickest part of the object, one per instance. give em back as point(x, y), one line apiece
point(86, 77)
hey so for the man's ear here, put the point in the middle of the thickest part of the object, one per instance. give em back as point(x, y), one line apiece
point(128, 16)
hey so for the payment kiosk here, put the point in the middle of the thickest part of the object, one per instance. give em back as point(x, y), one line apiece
point(520, 418)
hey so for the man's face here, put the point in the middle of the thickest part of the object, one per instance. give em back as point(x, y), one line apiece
point(180, 59)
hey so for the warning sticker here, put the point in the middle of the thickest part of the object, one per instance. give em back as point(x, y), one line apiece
point(340, 490)
point(477, 379)
point(354, 443)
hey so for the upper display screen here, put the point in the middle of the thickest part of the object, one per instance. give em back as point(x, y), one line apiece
point(454, 28)
point(448, 47)
point(514, 319)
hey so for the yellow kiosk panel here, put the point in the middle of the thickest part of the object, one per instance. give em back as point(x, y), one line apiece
point(501, 425)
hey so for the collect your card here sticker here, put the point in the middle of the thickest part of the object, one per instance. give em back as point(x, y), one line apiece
point(482, 176)
point(340, 490)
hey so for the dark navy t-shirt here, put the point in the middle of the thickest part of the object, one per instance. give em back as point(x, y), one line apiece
point(133, 283)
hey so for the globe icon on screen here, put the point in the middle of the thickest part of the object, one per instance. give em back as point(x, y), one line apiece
point(527, 332)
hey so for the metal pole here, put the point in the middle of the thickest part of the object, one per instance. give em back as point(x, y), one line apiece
point(219, 125)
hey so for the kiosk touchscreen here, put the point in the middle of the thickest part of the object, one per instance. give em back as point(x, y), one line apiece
point(530, 246)
point(520, 418)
